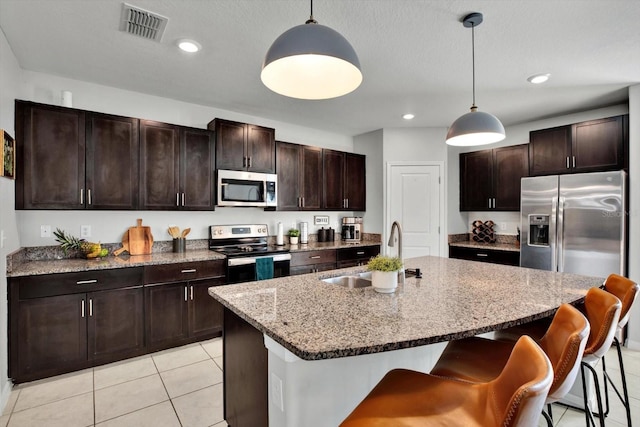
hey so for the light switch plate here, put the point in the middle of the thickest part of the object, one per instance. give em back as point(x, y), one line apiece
point(321, 220)
point(276, 392)
point(85, 231)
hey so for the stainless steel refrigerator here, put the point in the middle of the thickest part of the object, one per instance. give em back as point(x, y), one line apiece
point(574, 223)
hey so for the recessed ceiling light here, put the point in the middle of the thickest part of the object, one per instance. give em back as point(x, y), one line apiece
point(536, 79)
point(190, 46)
point(408, 116)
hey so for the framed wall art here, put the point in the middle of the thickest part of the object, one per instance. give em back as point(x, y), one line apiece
point(7, 156)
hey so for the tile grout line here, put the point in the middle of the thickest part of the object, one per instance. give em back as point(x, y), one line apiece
point(167, 391)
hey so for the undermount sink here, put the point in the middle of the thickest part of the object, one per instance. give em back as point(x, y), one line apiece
point(361, 280)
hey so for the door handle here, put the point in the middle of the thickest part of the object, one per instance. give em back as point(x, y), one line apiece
point(177, 199)
point(82, 196)
point(89, 196)
point(182, 199)
point(567, 162)
point(191, 293)
point(244, 162)
point(249, 161)
point(82, 309)
point(90, 307)
point(574, 161)
point(560, 238)
point(86, 282)
point(185, 294)
point(482, 255)
point(315, 257)
point(191, 270)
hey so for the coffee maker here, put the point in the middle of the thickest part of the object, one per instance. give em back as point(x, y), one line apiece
point(351, 229)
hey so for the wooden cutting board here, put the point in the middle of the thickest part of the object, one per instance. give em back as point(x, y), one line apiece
point(137, 240)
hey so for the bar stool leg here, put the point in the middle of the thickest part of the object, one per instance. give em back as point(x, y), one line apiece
point(587, 410)
point(548, 418)
point(624, 398)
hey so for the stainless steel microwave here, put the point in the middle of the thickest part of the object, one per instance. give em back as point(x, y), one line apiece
point(237, 188)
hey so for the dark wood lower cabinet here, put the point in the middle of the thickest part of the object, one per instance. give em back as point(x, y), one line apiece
point(246, 370)
point(51, 337)
point(166, 315)
point(205, 313)
point(115, 323)
point(485, 255)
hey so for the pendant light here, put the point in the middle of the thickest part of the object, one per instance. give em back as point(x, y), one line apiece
point(311, 61)
point(476, 127)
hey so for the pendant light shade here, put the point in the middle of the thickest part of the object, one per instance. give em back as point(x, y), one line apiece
point(311, 61)
point(476, 127)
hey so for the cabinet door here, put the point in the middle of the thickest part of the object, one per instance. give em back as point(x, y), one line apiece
point(205, 313)
point(355, 181)
point(52, 335)
point(230, 145)
point(550, 151)
point(197, 176)
point(597, 145)
point(112, 162)
point(261, 149)
point(510, 164)
point(476, 178)
point(289, 169)
point(116, 323)
point(50, 145)
point(159, 166)
point(311, 178)
point(333, 180)
point(166, 313)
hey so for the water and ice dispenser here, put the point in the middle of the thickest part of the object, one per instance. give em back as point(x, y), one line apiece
point(539, 230)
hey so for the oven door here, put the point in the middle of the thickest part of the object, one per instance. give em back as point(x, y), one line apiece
point(244, 269)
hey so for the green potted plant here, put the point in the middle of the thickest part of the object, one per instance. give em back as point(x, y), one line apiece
point(384, 277)
point(294, 233)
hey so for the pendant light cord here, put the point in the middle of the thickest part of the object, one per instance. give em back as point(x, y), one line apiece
point(311, 20)
point(473, 64)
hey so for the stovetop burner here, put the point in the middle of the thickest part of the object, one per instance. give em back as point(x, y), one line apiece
point(242, 240)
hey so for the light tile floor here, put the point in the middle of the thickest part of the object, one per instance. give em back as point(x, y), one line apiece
point(183, 387)
point(176, 387)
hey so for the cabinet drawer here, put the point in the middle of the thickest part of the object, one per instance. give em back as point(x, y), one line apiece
point(313, 257)
point(485, 255)
point(72, 283)
point(184, 271)
point(358, 253)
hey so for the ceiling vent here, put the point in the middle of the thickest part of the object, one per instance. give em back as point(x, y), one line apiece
point(142, 23)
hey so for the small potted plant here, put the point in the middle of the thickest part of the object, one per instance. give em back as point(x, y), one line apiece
point(384, 277)
point(294, 233)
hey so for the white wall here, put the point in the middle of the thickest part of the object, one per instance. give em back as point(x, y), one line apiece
point(9, 82)
point(108, 226)
point(634, 210)
point(370, 144)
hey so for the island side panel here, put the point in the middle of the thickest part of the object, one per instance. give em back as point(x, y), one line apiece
point(246, 397)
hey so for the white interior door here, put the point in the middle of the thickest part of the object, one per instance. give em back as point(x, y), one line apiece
point(415, 199)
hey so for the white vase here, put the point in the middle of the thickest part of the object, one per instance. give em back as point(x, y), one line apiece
point(293, 240)
point(384, 281)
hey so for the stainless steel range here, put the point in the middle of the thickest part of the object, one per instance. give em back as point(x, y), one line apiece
point(244, 245)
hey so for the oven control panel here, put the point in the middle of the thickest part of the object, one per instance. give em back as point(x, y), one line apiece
point(238, 231)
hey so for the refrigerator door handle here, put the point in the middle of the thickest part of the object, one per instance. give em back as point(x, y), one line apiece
point(560, 234)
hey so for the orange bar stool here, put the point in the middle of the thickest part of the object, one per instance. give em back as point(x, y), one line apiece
point(626, 291)
point(480, 360)
point(409, 398)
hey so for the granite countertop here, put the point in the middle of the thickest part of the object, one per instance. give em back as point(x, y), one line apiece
point(454, 299)
point(337, 244)
point(50, 266)
point(509, 247)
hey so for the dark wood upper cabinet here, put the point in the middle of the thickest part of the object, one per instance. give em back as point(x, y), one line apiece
point(299, 170)
point(244, 147)
point(176, 167)
point(112, 162)
point(50, 145)
point(591, 146)
point(344, 181)
point(490, 179)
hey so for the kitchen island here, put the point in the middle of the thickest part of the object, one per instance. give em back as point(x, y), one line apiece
point(299, 351)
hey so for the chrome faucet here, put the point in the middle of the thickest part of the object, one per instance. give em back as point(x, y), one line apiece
point(396, 227)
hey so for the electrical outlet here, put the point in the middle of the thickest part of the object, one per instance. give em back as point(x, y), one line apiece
point(276, 392)
point(45, 231)
point(503, 226)
point(321, 220)
point(85, 231)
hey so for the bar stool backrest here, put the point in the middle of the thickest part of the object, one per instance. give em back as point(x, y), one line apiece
point(522, 387)
point(626, 290)
point(603, 312)
point(564, 344)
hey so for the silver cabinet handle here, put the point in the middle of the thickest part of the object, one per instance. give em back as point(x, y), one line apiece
point(90, 307)
point(574, 161)
point(489, 202)
point(191, 270)
point(177, 199)
point(182, 199)
point(89, 196)
point(249, 158)
point(82, 196)
point(303, 201)
point(567, 162)
point(86, 282)
point(82, 310)
point(185, 293)
point(315, 257)
point(360, 253)
point(482, 255)
point(244, 162)
point(191, 293)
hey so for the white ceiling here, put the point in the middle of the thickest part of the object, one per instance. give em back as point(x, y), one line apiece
point(415, 55)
